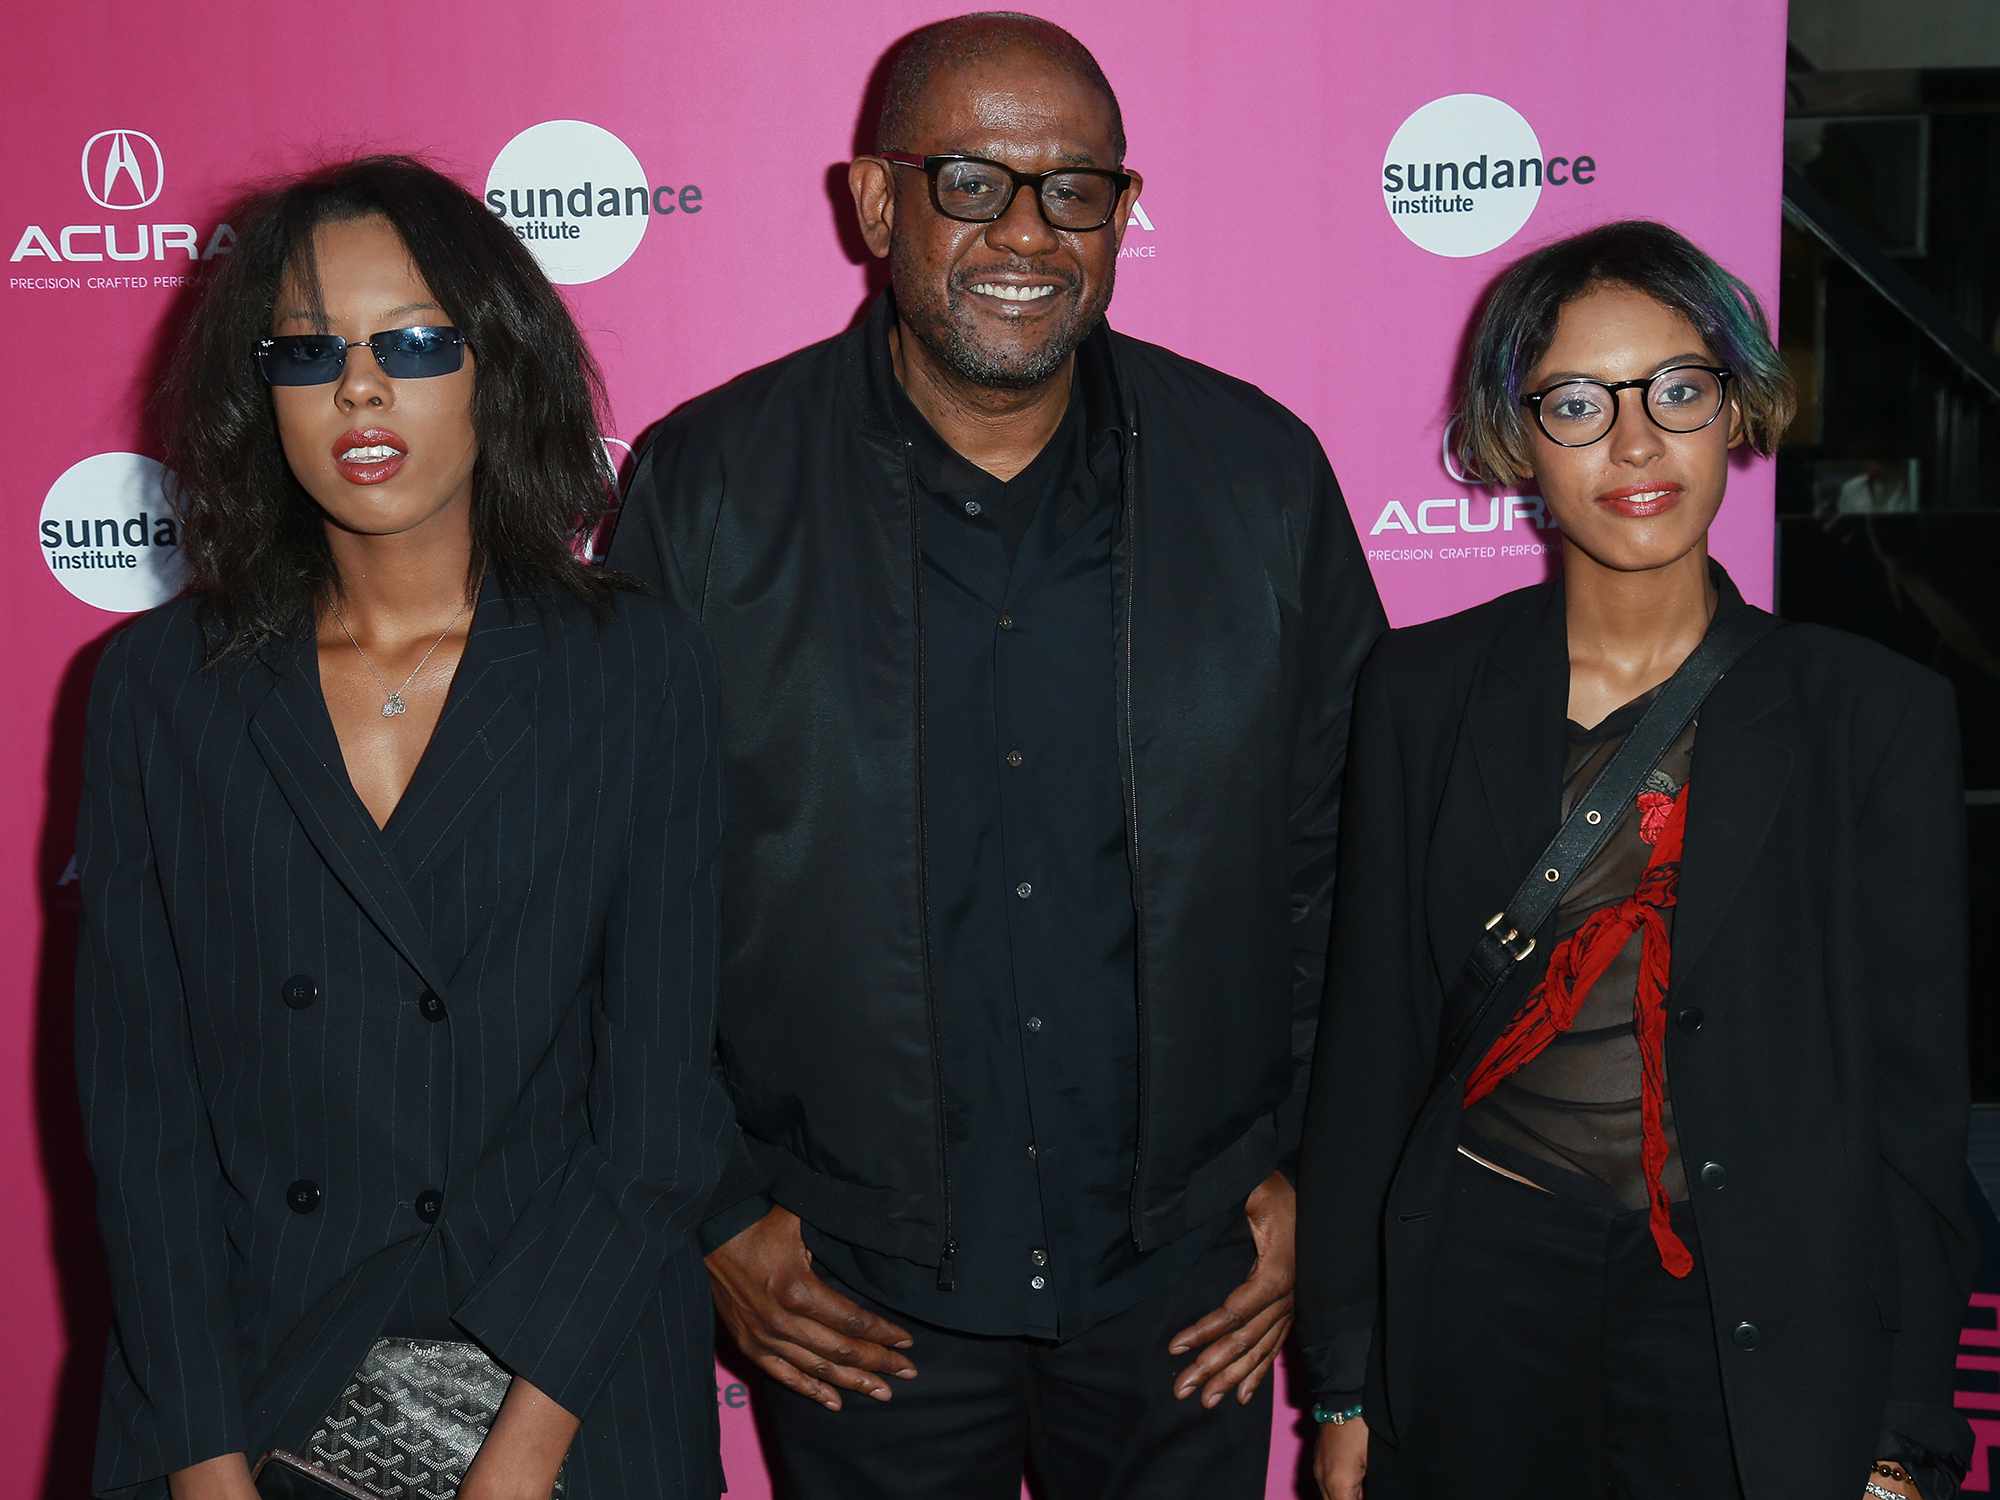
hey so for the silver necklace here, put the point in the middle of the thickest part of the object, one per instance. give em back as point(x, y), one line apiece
point(394, 704)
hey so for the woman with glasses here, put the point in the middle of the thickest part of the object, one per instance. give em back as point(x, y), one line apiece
point(396, 992)
point(1652, 1184)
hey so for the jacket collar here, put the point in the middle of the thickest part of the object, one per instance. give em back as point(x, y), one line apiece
point(485, 724)
point(1516, 722)
point(1743, 754)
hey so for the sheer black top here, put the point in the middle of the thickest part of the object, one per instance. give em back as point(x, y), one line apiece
point(1569, 1120)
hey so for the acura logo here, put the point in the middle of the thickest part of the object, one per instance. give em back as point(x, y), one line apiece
point(123, 169)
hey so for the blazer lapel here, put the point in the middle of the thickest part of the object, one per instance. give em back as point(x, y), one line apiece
point(1742, 761)
point(1515, 722)
point(1504, 791)
point(292, 731)
point(485, 728)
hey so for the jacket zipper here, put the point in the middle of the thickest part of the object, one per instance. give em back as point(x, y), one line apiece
point(947, 1274)
point(1131, 488)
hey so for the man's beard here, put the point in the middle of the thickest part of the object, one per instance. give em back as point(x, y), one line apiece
point(944, 325)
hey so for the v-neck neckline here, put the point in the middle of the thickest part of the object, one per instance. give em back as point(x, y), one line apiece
point(387, 830)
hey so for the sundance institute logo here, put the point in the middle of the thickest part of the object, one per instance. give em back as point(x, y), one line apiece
point(1462, 174)
point(108, 535)
point(578, 198)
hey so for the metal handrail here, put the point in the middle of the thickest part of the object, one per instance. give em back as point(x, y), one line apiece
point(1806, 207)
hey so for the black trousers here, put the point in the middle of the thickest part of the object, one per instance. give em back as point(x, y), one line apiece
point(1093, 1417)
point(1560, 1360)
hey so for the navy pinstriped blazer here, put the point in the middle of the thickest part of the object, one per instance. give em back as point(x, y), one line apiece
point(467, 1056)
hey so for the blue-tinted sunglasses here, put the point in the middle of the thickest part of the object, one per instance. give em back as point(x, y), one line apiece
point(319, 358)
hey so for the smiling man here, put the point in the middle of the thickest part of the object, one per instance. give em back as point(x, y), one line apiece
point(1040, 644)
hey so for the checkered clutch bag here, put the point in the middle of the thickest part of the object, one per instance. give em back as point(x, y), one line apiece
point(406, 1427)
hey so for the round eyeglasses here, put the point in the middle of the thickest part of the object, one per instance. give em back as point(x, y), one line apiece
point(1576, 413)
point(974, 190)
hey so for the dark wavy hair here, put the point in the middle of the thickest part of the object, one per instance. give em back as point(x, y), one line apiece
point(253, 539)
point(1518, 323)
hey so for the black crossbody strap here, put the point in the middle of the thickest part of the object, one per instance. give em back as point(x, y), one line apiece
point(1509, 938)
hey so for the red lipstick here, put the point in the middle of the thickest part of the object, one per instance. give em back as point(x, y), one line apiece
point(1637, 500)
point(369, 455)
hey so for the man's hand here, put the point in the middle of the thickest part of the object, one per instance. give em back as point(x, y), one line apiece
point(1340, 1459)
point(1243, 1335)
point(796, 1328)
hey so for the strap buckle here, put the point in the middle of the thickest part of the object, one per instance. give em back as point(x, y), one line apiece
point(1520, 954)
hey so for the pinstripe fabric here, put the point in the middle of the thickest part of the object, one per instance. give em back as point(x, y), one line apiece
point(550, 875)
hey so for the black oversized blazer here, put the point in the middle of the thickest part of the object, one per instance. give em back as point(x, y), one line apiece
point(293, 1029)
point(1818, 1002)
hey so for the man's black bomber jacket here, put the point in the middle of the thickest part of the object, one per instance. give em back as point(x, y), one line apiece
point(779, 511)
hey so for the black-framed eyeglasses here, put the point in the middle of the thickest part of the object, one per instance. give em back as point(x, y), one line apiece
point(1576, 413)
point(319, 358)
point(974, 190)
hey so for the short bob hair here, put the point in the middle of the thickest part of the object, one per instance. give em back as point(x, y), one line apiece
point(1518, 322)
point(254, 541)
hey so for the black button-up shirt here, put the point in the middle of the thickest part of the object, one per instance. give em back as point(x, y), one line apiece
point(1032, 924)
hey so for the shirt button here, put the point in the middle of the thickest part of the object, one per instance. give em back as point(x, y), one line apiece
point(1713, 1175)
point(1016, 759)
point(1690, 1019)
point(972, 507)
point(430, 1007)
point(1031, 1151)
point(1034, 1023)
point(1006, 622)
point(1039, 1257)
point(303, 1196)
point(430, 1203)
point(1745, 1336)
point(1038, 1282)
point(299, 991)
point(1024, 890)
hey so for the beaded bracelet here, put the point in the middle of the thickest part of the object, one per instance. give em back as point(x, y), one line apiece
point(1328, 1417)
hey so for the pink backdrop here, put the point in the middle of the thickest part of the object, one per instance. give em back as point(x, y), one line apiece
point(1265, 247)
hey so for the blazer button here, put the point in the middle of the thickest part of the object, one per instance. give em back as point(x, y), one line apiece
point(300, 991)
point(430, 1203)
point(302, 1197)
point(1745, 1336)
point(1713, 1175)
point(430, 1007)
point(1690, 1019)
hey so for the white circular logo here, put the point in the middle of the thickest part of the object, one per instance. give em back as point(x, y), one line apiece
point(575, 194)
point(108, 534)
point(1462, 174)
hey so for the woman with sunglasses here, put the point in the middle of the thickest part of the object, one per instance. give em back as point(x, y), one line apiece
point(396, 994)
point(1660, 1194)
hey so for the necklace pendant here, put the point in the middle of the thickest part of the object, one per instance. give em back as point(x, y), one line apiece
point(394, 706)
